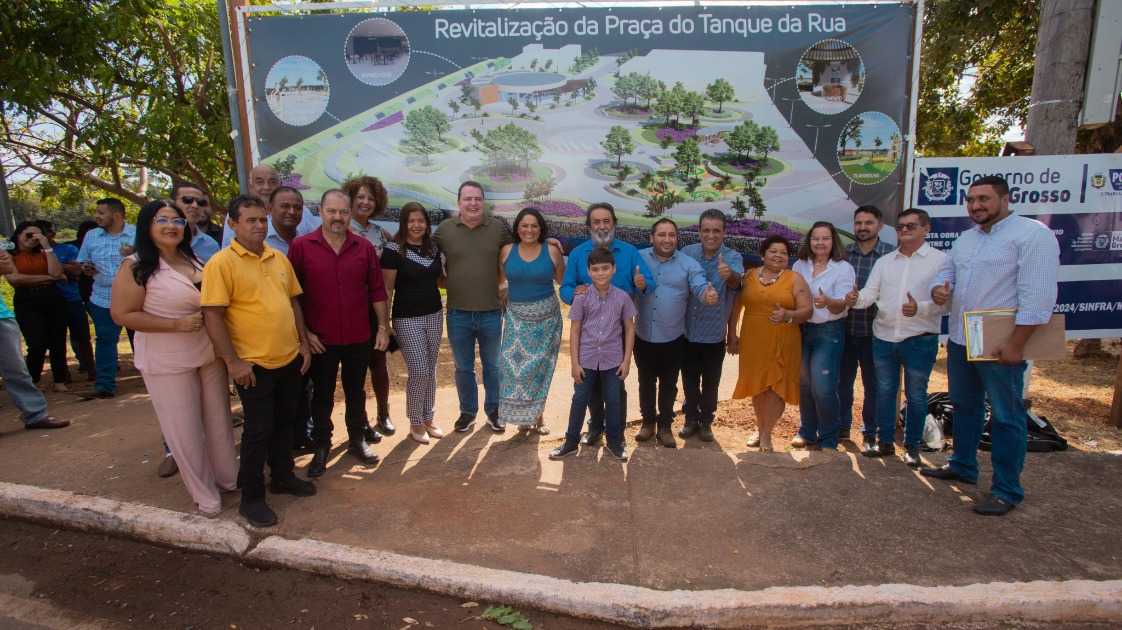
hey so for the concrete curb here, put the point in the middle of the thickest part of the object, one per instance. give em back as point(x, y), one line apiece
point(1070, 601)
point(131, 520)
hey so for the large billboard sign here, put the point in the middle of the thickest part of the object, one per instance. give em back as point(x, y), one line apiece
point(1078, 196)
point(800, 110)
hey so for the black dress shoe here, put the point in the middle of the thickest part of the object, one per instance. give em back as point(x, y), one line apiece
point(294, 486)
point(618, 452)
point(385, 425)
point(258, 514)
point(993, 506)
point(319, 461)
point(705, 432)
point(371, 435)
point(946, 473)
point(362, 450)
point(465, 422)
point(592, 437)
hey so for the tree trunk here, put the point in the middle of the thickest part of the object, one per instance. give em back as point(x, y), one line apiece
point(1062, 46)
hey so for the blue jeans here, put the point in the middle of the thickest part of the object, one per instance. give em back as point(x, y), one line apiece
point(917, 355)
point(465, 328)
point(108, 335)
point(17, 382)
point(970, 383)
point(858, 352)
point(819, 408)
point(610, 386)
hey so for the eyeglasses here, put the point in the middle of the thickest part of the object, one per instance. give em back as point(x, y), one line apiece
point(907, 227)
point(177, 222)
point(188, 200)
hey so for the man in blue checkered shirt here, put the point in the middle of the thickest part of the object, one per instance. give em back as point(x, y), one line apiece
point(101, 254)
point(863, 253)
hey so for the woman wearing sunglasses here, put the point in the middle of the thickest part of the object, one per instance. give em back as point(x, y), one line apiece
point(156, 293)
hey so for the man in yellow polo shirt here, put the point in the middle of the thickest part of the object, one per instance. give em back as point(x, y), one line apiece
point(255, 322)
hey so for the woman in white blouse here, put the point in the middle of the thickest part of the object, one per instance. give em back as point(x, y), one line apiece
point(822, 264)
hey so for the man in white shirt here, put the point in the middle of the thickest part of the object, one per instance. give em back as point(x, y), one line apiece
point(263, 182)
point(905, 331)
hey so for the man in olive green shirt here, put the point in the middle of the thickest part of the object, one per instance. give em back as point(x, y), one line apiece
point(471, 244)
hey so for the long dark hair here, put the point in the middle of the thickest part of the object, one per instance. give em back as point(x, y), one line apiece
point(543, 230)
point(428, 245)
point(20, 229)
point(147, 254)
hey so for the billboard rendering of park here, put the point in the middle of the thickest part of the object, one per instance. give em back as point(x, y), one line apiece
point(782, 114)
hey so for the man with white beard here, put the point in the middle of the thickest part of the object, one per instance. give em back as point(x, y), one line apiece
point(632, 276)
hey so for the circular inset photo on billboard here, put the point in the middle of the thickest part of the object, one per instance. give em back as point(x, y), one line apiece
point(296, 90)
point(377, 51)
point(830, 76)
point(869, 148)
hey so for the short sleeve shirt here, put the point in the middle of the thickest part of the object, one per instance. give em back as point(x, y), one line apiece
point(415, 290)
point(472, 260)
point(257, 293)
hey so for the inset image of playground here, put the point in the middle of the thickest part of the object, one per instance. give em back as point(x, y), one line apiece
point(830, 76)
point(297, 90)
point(377, 51)
point(869, 148)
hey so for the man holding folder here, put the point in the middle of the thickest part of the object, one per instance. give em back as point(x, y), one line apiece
point(1005, 261)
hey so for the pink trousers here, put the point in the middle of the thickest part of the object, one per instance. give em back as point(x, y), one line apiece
point(193, 408)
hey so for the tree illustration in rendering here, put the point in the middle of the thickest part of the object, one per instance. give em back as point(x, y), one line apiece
point(422, 138)
point(851, 131)
point(688, 157)
point(618, 144)
point(720, 92)
point(743, 139)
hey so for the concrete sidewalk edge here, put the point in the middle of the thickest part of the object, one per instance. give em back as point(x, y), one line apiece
point(1041, 601)
point(142, 522)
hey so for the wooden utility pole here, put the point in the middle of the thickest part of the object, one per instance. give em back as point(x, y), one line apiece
point(1062, 45)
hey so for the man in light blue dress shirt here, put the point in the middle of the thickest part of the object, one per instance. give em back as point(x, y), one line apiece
point(1005, 262)
point(660, 328)
point(705, 326)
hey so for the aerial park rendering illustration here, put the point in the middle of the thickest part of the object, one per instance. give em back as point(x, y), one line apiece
point(654, 131)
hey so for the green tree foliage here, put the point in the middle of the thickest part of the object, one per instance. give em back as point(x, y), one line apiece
point(720, 92)
point(989, 43)
point(618, 144)
point(851, 132)
point(742, 139)
point(688, 157)
point(693, 105)
point(423, 136)
point(540, 188)
point(511, 144)
point(103, 94)
point(767, 141)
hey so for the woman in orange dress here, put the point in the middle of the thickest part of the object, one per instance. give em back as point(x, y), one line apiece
point(774, 301)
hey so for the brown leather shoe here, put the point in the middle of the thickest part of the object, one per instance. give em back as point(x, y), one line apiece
point(645, 432)
point(168, 467)
point(688, 430)
point(665, 437)
point(50, 422)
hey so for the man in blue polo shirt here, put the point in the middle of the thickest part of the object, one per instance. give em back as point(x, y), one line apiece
point(632, 276)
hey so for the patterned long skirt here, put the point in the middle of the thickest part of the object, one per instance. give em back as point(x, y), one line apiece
point(531, 340)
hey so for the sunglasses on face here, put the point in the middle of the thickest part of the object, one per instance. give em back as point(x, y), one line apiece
point(907, 227)
point(188, 200)
point(163, 221)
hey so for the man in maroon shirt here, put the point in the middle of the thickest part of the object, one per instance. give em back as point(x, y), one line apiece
point(341, 278)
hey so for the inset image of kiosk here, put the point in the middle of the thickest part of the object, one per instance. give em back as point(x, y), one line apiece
point(377, 51)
